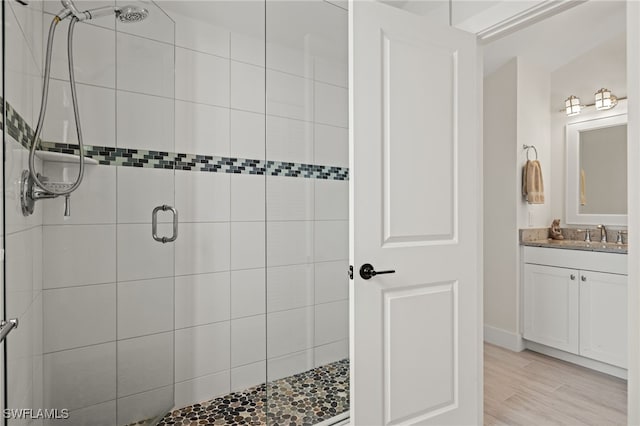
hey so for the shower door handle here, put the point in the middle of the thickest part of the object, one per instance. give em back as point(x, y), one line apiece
point(154, 224)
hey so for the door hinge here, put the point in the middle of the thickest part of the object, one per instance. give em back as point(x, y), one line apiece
point(350, 272)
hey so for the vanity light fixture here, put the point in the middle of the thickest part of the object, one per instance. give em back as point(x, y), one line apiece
point(572, 106)
point(605, 100)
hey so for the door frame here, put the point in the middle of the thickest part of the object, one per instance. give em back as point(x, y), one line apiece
point(633, 224)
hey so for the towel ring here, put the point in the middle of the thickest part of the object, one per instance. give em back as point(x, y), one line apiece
point(528, 148)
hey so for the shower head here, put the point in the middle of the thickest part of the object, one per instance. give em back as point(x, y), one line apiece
point(126, 14)
point(130, 14)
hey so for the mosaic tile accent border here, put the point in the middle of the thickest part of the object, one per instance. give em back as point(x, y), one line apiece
point(307, 398)
point(18, 128)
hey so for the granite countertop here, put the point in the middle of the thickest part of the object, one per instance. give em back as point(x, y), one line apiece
point(577, 245)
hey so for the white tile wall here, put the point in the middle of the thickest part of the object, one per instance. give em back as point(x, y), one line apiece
point(201, 129)
point(81, 377)
point(331, 352)
point(203, 197)
point(247, 87)
point(95, 66)
point(202, 248)
point(248, 338)
point(331, 105)
point(202, 299)
point(289, 140)
point(140, 257)
point(290, 364)
point(202, 350)
point(103, 414)
point(289, 331)
point(289, 199)
point(289, 96)
point(331, 281)
point(194, 78)
point(145, 363)
point(247, 292)
point(98, 108)
point(197, 35)
point(248, 375)
point(289, 243)
point(76, 255)
point(288, 60)
point(331, 71)
point(248, 49)
point(202, 388)
point(145, 307)
point(22, 271)
point(290, 287)
point(145, 66)
point(331, 322)
point(145, 122)
point(140, 190)
point(247, 134)
point(331, 199)
point(331, 146)
point(79, 316)
point(247, 198)
point(247, 245)
point(144, 405)
point(21, 288)
point(331, 240)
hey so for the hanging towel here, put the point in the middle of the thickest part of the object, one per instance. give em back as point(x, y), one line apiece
point(532, 186)
point(583, 188)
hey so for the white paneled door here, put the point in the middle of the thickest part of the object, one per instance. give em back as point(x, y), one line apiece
point(415, 209)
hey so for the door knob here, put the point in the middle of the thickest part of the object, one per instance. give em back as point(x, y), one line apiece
point(583, 278)
point(573, 277)
point(367, 271)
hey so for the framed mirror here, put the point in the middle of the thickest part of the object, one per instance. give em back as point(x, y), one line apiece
point(597, 171)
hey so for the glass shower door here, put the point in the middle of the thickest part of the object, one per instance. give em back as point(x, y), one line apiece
point(307, 212)
point(94, 291)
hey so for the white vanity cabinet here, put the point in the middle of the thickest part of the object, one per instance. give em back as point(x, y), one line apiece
point(603, 317)
point(576, 301)
point(551, 304)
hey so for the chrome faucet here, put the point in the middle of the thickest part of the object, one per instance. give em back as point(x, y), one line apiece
point(587, 234)
point(603, 233)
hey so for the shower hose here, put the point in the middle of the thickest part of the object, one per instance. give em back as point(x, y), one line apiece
point(43, 108)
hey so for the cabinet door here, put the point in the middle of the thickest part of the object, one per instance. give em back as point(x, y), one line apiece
point(551, 306)
point(603, 317)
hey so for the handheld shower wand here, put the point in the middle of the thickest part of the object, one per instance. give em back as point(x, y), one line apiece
point(33, 185)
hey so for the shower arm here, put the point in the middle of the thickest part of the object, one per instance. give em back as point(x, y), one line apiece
point(71, 9)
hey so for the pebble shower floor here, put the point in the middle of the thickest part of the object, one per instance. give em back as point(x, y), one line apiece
point(303, 399)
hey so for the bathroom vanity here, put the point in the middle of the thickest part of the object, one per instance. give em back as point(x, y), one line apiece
point(575, 302)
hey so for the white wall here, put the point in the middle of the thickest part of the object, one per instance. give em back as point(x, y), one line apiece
point(603, 66)
point(500, 216)
point(533, 123)
point(515, 113)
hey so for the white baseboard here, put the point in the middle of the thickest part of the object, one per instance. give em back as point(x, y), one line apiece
point(503, 338)
point(577, 359)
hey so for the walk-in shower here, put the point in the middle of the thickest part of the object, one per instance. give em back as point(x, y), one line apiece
point(232, 113)
point(35, 186)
